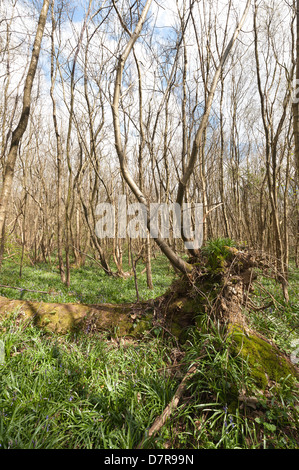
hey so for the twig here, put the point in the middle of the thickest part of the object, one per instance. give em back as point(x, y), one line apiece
point(172, 405)
point(268, 293)
point(93, 259)
point(258, 308)
point(212, 209)
point(30, 290)
point(159, 325)
point(293, 329)
point(9, 256)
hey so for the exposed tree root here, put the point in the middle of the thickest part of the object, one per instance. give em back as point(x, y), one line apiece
point(172, 405)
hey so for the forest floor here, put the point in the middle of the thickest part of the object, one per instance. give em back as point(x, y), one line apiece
point(94, 389)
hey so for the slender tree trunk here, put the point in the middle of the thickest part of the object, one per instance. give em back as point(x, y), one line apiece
point(23, 234)
point(296, 101)
point(221, 165)
point(59, 152)
point(23, 122)
point(296, 129)
point(149, 278)
point(2, 244)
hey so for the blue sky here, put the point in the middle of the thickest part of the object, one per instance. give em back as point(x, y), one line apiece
point(79, 12)
point(164, 19)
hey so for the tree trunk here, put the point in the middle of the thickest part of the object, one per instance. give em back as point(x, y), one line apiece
point(58, 153)
point(23, 122)
point(296, 129)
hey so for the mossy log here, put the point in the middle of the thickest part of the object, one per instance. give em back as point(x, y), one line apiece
point(267, 363)
point(190, 296)
point(122, 319)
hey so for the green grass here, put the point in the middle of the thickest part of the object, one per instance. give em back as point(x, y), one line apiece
point(89, 284)
point(78, 391)
point(280, 321)
point(85, 391)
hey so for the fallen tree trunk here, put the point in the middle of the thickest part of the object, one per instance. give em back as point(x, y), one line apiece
point(204, 293)
point(123, 319)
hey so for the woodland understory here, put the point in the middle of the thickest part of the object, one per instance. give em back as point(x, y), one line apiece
point(176, 105)
point(209, 305)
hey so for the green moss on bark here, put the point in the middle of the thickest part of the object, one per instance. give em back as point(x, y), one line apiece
point(266, 362)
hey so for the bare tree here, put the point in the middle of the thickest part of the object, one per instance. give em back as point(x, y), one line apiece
point(22, 125)
point(270, 87)
point(176, 260)
point(296, 124)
